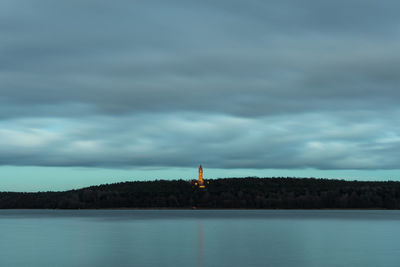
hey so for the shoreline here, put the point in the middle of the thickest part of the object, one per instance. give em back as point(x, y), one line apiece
point(220, 209)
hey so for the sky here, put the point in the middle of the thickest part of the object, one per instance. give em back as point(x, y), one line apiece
point(100, 91)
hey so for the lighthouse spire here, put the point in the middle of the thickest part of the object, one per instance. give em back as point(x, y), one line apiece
point(201, 181)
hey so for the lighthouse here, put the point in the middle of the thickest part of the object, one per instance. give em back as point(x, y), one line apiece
point(201, 181)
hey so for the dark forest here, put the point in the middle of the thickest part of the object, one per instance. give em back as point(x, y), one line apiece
point(228, 193)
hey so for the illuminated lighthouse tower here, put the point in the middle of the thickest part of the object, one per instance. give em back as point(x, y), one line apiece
point(201, 181)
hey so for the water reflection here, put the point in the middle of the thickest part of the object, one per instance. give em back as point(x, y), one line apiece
point(200, 242)
point(199, 238)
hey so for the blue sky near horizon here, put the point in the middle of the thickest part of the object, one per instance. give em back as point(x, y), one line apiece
point(33, 179)
point(102, 91)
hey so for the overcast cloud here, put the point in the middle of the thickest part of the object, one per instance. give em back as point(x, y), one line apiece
point(231, 84)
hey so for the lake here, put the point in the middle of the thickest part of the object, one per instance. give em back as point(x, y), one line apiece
point(199, 238)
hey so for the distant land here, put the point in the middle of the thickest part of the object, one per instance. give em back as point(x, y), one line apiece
point(227, 193)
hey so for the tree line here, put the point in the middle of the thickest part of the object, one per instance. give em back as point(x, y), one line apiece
point(227, 193)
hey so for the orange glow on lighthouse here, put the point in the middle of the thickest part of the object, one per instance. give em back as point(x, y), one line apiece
point(201, 181)
point(201, 174)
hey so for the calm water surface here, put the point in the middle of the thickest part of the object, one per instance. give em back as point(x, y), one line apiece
point(199, 238)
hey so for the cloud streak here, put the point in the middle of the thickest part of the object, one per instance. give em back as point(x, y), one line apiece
point(317, 141)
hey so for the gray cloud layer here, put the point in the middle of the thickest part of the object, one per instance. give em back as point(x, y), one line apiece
point(257, 84)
